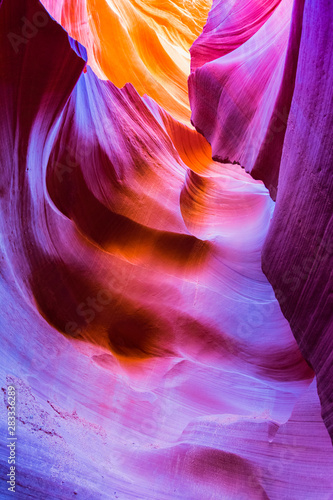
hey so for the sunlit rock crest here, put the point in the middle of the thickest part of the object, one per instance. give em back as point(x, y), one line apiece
point(149, 353)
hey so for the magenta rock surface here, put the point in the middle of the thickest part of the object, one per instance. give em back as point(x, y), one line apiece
point(229, 25)
point(233, 96)
point(297, 255)
point(280, 129)
point(149, 354)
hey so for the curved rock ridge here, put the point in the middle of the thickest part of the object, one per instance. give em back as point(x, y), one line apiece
point(297, 255)
point(134, 205)
point(145, 43)
point(149, 353)
point(229, 25)
point(233, 97)
point(271, 111)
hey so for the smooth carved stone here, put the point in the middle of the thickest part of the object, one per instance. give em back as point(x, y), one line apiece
point(298, 252)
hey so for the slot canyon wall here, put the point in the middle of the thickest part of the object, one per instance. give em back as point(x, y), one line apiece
point(166, 249)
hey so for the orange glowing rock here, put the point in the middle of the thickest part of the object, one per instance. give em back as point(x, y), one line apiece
point(145, 43)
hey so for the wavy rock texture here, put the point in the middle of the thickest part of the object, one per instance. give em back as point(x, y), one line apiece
point(150, 356)
point(145, 43)
point(229, 25)
point(233, 96)
point(297, 256)
point(280, 129)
